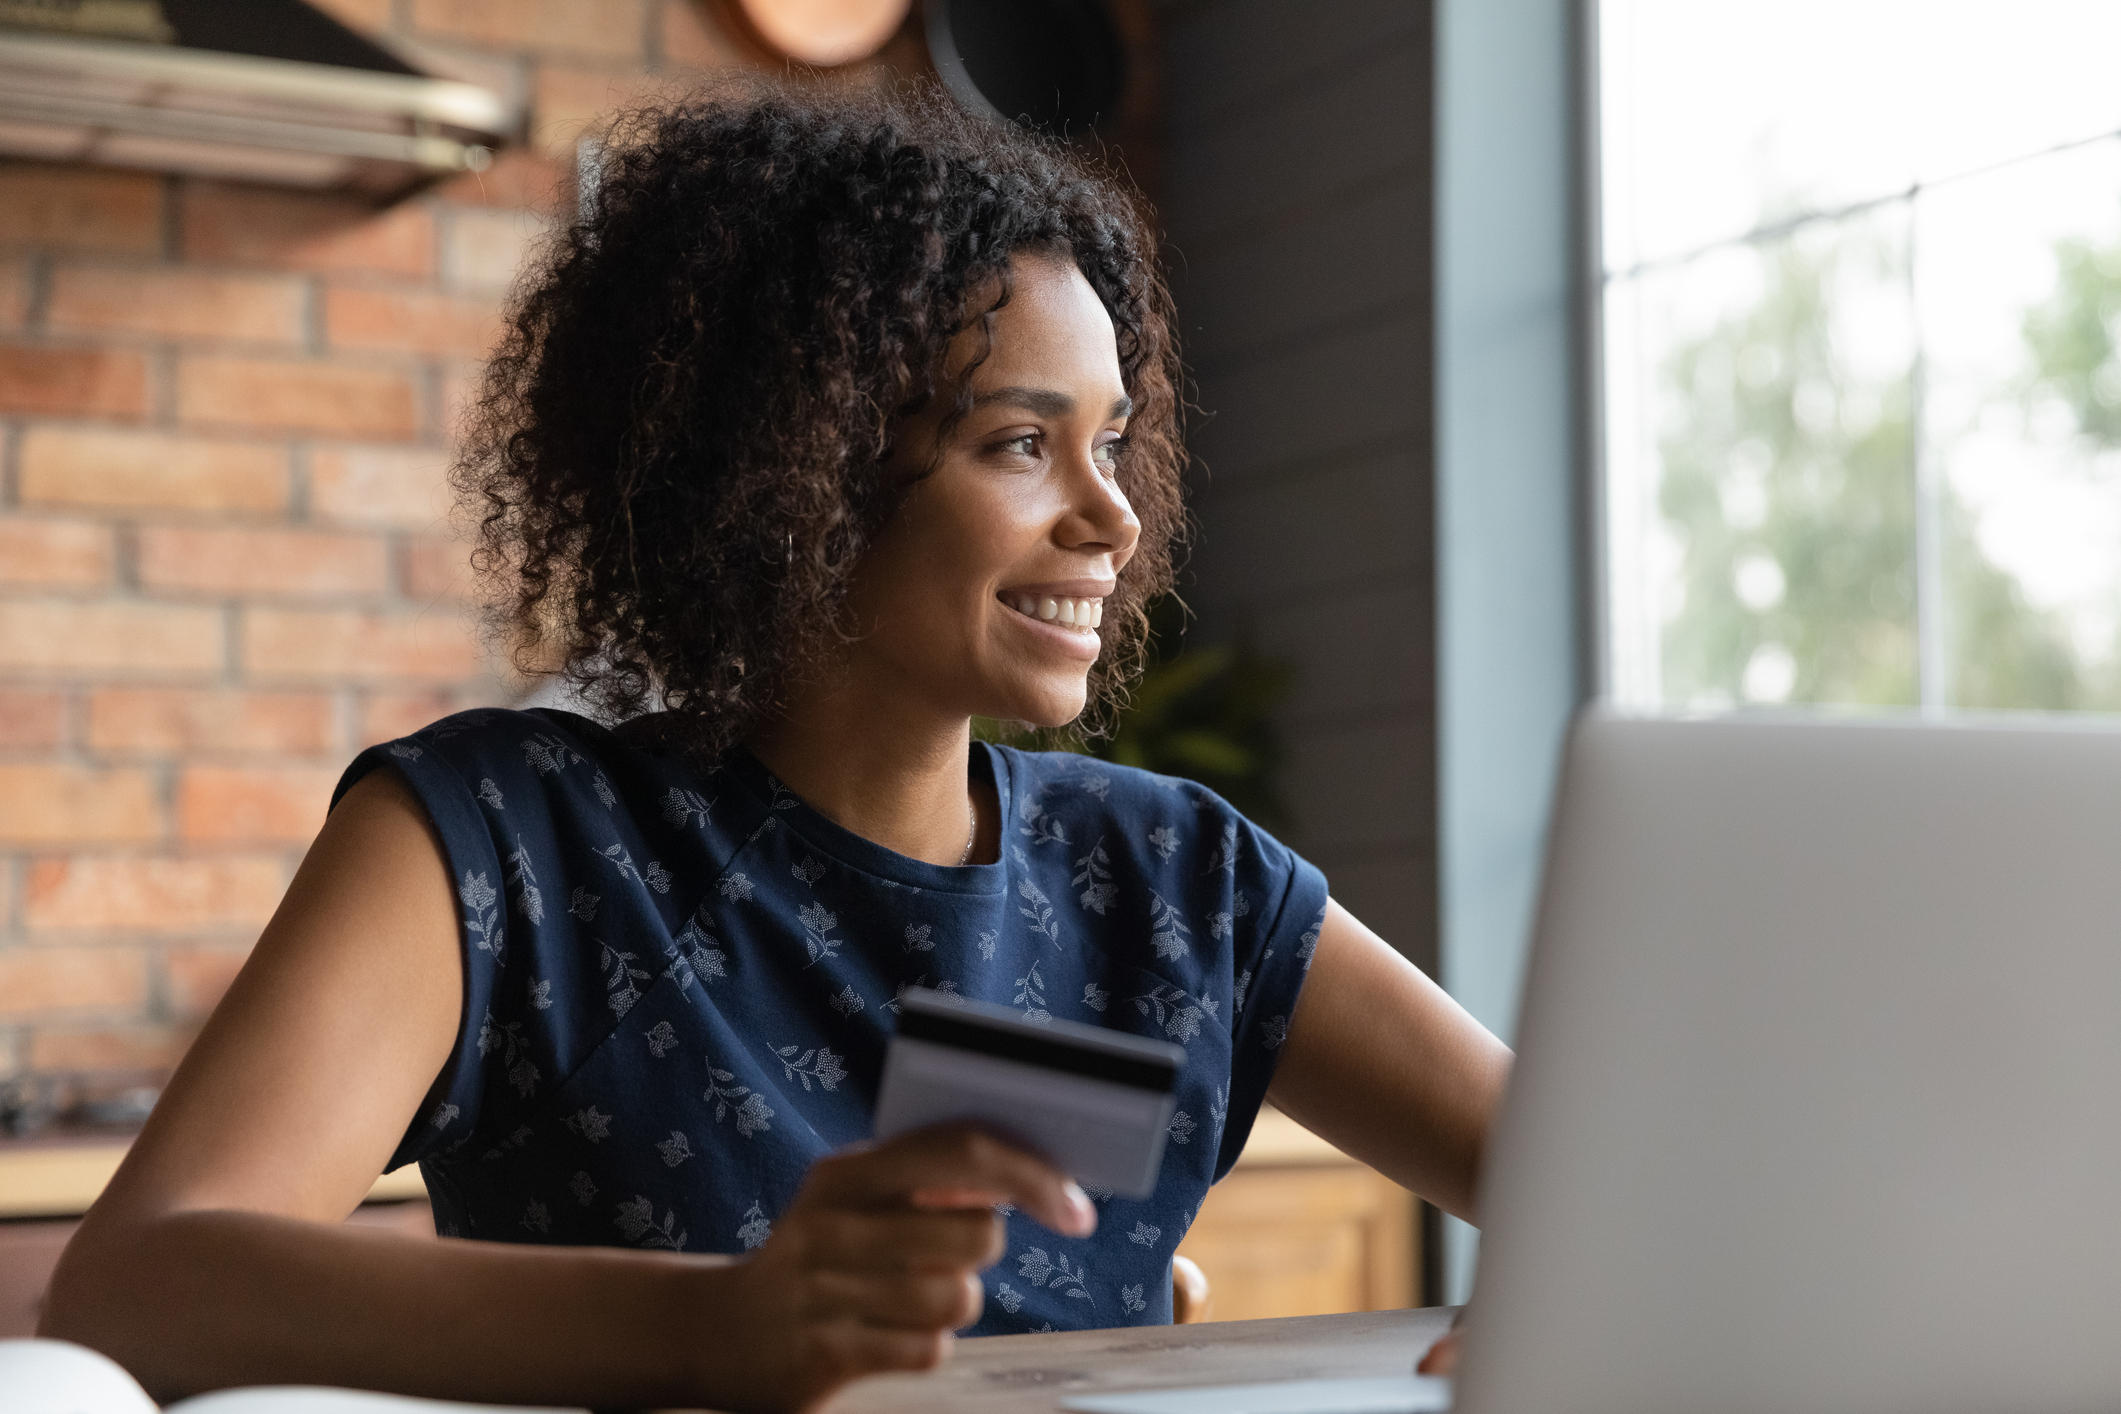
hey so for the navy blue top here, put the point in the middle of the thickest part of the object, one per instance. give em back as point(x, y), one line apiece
point(678, 988)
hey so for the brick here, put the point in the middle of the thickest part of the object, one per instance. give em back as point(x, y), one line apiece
point(691, 39)
point(437, 567)
point(72, 382)
point(47, 803)
point(115, 892)
point(386, 716)
point(519, 179)
point(611, 28)
point(569, 102)
point(332, 400)
point(410, 321)
point(30, 719)
point(253, 804)
point(73, 554)
point(64, 466)
point(124, 638)
point(358, 647)
point(364, 16)
point(484, 250)
point(236, 560)
point(80, 208)
point(14, 293)
point(177, 720)
point(388, 486)
point(126, 1048)
point(42, 981)
point(176, 304)
point(197, 975)
point(239, 225)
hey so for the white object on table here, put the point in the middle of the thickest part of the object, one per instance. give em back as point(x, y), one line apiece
point(59, 1377)
point(1391, 1394)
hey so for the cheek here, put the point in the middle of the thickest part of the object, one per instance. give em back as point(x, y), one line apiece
point(983, 538)
point(922, 580)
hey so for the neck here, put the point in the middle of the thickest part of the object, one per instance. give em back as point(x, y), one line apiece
point(891, 773)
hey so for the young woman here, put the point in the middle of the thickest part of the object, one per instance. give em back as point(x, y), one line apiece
point(836, 421)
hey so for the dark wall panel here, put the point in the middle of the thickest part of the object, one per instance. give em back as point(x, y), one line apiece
point(1234, 55)
point(1336, 262)
point(1299, 201)
point(1309, 401)
point(1217, 187)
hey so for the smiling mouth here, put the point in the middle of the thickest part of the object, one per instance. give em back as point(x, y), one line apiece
point(1081, 615)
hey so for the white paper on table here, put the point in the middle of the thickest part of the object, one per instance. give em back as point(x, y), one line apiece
point(1387, 1394)
point(57, 1377)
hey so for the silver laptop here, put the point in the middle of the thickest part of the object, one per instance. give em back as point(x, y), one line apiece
point(1819, 1103)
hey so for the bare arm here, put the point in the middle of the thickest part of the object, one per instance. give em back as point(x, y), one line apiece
point(1382, 1063)
point(218, 1256)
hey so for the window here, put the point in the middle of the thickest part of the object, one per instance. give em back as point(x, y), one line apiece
point(1861, 309)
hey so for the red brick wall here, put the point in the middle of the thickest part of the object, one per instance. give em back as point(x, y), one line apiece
point(225, 564)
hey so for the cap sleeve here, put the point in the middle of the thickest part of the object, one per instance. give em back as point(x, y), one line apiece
point(451, 1109)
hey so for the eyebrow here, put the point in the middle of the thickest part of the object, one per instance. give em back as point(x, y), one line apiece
point(1045, 402)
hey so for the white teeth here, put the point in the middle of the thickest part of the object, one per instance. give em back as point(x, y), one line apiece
point(1073, 613)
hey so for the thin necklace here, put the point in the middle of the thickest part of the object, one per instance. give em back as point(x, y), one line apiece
point(966, 857)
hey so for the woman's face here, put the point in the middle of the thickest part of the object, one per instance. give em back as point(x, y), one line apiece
point(981, 595)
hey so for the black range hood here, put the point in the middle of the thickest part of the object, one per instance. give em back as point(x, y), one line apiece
point(269, 91)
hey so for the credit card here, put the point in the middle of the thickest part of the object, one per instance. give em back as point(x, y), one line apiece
point(1096, 1103)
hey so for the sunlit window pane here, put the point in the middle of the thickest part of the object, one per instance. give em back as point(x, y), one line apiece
point(1766, 449)
point(2019, 282)
point(1862, 316)
point(1719, 116)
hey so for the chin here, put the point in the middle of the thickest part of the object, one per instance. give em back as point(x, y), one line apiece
point(1045, 710)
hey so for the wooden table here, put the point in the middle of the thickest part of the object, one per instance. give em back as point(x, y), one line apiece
point(59, 1175)
point(1016, 1374)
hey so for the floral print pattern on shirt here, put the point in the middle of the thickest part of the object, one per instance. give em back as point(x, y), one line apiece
point(679, 987)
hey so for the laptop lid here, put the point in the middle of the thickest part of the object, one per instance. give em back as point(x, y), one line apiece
point(1818, 1103)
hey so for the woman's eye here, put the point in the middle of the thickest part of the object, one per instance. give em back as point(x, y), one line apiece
point(1108, 452)
point(1026, 445)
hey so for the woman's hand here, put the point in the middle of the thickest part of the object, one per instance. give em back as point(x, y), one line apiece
point(876, 1262)
point(1442, 1357)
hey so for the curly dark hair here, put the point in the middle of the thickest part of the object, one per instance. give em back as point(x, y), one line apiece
point(678, 455)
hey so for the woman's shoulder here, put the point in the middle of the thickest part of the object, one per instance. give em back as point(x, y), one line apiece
point(538, 742)
point(1038, 778)
point(537, 738)
point(557, 762)
point(1175, 827)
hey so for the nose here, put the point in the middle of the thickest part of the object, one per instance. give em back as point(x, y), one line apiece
point(1099, 518)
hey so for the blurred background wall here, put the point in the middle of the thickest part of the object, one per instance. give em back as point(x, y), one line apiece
point(225, 560)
